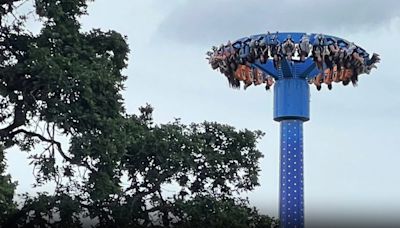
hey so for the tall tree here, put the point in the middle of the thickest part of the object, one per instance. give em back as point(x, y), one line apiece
point(63, 82)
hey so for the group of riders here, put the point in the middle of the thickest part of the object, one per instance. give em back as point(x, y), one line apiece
point(336, 60)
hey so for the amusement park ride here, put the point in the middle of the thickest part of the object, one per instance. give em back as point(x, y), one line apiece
point(290, 62)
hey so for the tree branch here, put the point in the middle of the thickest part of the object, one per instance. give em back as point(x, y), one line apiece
point(19, 120)
point(53, 142)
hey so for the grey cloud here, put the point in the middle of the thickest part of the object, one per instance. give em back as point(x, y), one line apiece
point(209, 21)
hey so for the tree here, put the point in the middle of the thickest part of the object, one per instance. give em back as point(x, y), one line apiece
point(7, 191)
point(208, 211)
point(66, 83)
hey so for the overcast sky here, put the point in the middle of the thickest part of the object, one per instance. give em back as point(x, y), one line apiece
point(352, 155)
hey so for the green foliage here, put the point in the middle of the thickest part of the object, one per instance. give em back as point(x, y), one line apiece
point(208, 211)
point(63, 81)
point(7, 190)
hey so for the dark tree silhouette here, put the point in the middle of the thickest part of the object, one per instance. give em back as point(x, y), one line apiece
point(63, 84)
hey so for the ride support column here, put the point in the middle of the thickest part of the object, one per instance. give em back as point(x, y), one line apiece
point(291, 109)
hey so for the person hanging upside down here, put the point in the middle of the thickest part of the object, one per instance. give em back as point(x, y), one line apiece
point(269, 81)
point(259, 76)
point(347, 74)
point(249, 77)
point(328, 78)
point(335, 75)
point(318, 81)
point(304, 47)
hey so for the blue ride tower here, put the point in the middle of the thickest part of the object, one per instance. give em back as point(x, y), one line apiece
point(291, 109)
point(293, 74)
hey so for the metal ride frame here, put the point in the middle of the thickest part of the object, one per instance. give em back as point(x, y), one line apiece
point(292, 104)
